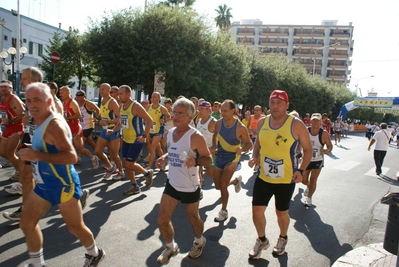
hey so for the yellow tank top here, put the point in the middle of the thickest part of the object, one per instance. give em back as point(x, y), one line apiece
point(106, 113)
point(156, 115)
point(131, 124)
point(277, 152)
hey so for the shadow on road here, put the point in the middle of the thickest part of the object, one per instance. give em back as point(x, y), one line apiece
point(321, 235)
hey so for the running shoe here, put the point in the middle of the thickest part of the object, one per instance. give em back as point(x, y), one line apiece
point(196, 249)
point(258, 247)
point(222, 216)
point(149, 178)
point(279, 249)
point(167, 254)
point(109, 172)
point(118, 176)
point(15, 177)
point(16, 188)
point(84, 197)
point(308, 202)
point(132, 191)
point(15, 216)
point(305, 193)
point(237, 187)
point(93, 261)
point(95, 162)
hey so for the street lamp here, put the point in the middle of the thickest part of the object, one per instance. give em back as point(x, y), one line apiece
point(12, 51)
point(357, 83)
point(315, 51)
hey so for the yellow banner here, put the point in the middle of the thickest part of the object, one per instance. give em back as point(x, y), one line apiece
point(373, 102)
point(387, 111)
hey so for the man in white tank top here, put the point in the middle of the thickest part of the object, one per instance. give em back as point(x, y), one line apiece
point(318, 138)
point(187, 150)
point(206, 125)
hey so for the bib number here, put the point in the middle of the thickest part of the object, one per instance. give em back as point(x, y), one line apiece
point(273, 168)
point(3, 114)
point(124, 121)
point(153, 127)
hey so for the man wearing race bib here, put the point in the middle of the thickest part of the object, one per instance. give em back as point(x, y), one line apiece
point(318, 138)
point(57, 183)
point(88, 109)
point(132, 115)
point(279, 134)
point(72, 116)
point(109, 112)
point(158, 115)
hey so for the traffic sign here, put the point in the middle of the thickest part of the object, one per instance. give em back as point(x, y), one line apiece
point(55, 57)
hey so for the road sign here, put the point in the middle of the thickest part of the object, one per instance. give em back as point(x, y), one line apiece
point(55, 57)
point(159, 84)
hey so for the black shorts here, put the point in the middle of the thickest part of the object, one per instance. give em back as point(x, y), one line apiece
point(87, 132)
point(263, 192)
point(313, 165)
point(184, 197)
point(26, 140)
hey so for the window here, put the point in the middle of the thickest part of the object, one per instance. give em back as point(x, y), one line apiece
point(24, 40)
point(271, 40)
point(282, 30)
point(14, 42)
point(305, 41)
point(40, 50)
point(5, 38)
point(272, 30)
point(30, 49)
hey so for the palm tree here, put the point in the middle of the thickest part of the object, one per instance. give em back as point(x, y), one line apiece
point(177, 3)
point(224, 16)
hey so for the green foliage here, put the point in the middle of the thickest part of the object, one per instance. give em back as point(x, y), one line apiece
point(179, 3)
point(73, 60)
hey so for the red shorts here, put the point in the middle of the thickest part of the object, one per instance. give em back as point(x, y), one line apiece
point(76, 130)
point(13, 129)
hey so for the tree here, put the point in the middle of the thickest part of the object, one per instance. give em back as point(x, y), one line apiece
point(179, 3)
point(223, 17)
point(73, 60)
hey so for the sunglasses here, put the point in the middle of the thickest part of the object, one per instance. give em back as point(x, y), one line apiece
point(80, 95)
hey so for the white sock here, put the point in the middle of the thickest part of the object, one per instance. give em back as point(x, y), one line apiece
point(92, 250)
point(171, 244)
point(199, 240)
point(37, 258)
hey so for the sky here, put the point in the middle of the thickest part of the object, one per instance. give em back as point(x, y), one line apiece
point(376, 23)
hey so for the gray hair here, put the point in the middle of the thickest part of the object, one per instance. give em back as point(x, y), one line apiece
point(35, 74)
point(184, 102)
point(41, 87)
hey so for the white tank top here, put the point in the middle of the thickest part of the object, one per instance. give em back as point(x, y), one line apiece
point(203, 128)
point(182, 179)
point(317, 154)
point(85, 120)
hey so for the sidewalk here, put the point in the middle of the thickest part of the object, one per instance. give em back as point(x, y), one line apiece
point(373, 255)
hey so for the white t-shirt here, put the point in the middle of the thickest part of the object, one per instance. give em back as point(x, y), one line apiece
point(381, 140)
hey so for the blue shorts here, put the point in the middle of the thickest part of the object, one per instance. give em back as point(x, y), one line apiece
point(224, 159)
point(131, 151)
point(58, 195)
point(160, 133)
point(110, 137)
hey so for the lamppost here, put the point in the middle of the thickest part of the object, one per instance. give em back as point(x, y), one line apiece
point(357, 83)
point(12, 51)
point(315, 51)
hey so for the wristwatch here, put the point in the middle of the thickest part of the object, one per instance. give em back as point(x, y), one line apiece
point(144, 135)
point(301, 171)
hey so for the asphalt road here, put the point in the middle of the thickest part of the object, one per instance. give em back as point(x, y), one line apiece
point(346, 214)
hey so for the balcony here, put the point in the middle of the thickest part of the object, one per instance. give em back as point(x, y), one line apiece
point(335, 78)
point(336, 67)
point(335, 56)
point(269, 33)
point(246, 33)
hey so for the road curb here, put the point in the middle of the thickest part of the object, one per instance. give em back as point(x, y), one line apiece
point(367, 256)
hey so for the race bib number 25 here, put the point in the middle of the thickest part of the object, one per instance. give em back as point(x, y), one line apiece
point(273, 168)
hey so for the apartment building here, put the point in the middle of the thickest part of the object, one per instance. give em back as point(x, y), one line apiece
point(324, 49)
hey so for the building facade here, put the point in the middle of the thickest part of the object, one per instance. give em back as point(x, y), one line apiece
point(324, 49)
point(34, 36)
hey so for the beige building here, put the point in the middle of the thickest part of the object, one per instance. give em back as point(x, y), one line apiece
point(324, 49)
